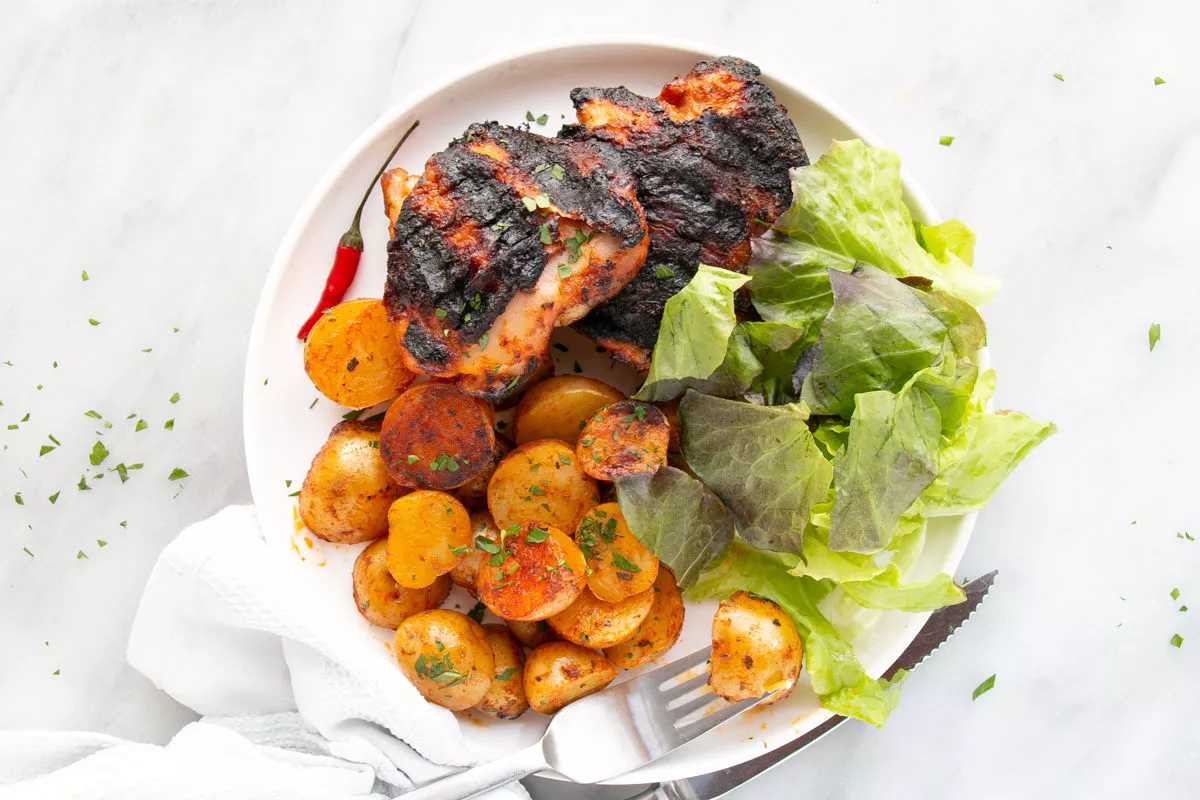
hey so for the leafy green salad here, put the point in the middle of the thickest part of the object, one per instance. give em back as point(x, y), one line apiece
point(823, 435)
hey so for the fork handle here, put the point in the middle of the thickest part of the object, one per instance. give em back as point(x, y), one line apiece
point(477, 780)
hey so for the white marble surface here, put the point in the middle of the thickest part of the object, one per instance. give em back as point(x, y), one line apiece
point(165, 146)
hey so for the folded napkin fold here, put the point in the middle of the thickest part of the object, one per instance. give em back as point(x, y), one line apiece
point(233, 631)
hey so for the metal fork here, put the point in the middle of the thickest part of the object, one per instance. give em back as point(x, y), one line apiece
point(608, 733)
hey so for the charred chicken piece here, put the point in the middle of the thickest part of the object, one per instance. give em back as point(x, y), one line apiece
point(505, 235)
point(711, 157)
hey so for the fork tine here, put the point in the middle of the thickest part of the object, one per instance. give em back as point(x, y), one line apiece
point(707, 723)
point(682, 710)
point(688, 686)
point(679, 665)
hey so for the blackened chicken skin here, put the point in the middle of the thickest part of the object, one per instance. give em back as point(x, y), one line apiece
point(506, 235)
point(711, 157)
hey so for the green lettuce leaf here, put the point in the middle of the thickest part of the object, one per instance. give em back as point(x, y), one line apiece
point(838, 678)
point(762, 461)
point(851, 202)
point(777, 347)
point(693, 338)
point(678, 518)
point(790, 280)
point(885, 591)
point(878, 334)
point(951, 386)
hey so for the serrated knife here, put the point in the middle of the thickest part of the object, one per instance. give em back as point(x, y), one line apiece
point(937, 630)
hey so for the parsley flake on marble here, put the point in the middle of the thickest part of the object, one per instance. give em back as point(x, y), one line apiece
point(984, 687)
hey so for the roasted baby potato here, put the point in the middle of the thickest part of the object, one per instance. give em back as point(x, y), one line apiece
point(445, 655)
point(592, 622)
point(541, 482)
point(428, 533)
point(383, 601)
point(619, 566)
point(622, 438)
point(755, 649)
point(505, 698)
point(536, 572)
point(557, 407)
point(467, 569)
point(436, 437)
point(670, 410)
point(530, 634)
point(353, 357)
point(473, 493)
point(659, 630)
point(558, 673)
point(348, 491)
point(544, 369)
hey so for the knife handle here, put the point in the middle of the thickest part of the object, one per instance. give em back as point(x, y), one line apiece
point(477, 780)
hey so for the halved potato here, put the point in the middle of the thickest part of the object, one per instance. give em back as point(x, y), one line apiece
point(541, 482)
point(348, 491)
point(619, 566)
point(353, 357)
point(467, 569)
point(622, 438)
point(436, 437)
point(558, 673)
point(659, 630)
point(380, 599)
point(446, 656)
point(530, 634)
point(536, 572)
point(505, 698)
point(755, 649)
point(592, 622)
point(557, 408)
point(473, 493)
point(428, 533)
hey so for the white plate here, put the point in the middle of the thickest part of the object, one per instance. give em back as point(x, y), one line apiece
point(282, 432)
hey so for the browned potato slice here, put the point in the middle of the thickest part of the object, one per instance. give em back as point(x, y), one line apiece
point(535, 573)
point(592, 622)
point(347, 491)
point(530, 634)
point(557, 407)
point(623, 438)
point(618, 564)
point(353, 357)
point(541, 482)
point(558, 673)
point(436, 437)
point(396, 185)
point(467, 569)
point(428, 533)
point(505, 698)
point(383, 601)
point(473, 493)
point(445, 655)
point(755, 649)
point(659, 630)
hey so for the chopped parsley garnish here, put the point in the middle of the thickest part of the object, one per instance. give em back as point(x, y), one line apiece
point(174, 398)
point(476, 612)
point(587, 441)
point(564, 271)
point(530, 203)
point(542, 200)
point(544, 234)
point(80, 555)
point(946, 141)
point(18, 500)
point(1058, 76)
point(663, 271)
point(26, 549)
point(93, 322)
point(497, 559)
point(313, 403)
point(443, 463)
point(486, 545)
point(177, 474)
point(46, 448)
point(101, 543)
point(1176, 641)
point(169, 425)
point(984, 687)
point(542, 118)
point(461, 550)
point(1159, 82)
point(540, 168)
point(499, 226)
point(529, 116)
point(1175, 593)
point(82, 485)
point(99, 453)
point(536, 491)
point(122, 472)
point(413, 459)
point(438, 669)
point(141, 426)
point(639, 414)
point(506, 674)
point(557, 172)
point(54, 497)
point(83, 275)
point(536, 535)
point(440, 313)
point(512, 384)
point(288, 483)
point(1155, 335)
point(92, 414)
point(622, 563)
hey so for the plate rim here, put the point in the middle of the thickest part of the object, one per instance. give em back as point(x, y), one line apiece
point(254, 455)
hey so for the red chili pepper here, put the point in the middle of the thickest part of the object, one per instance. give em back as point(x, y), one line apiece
point(349, 252)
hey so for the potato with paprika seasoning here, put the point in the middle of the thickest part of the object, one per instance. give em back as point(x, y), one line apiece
point(473, 493)
point(755, 649)
point(436, 437)
point(446, 656)
point(485, 532)
point(593, 622)
point(536, 572)
point(541, 482)
point(380, 599)
point(659, 630)
point(428, 534)
point(622, 438)
point(530, 634)
point(505, 698)
point(618, 564)
point(559, 673)
point(347, 492)
point(353, 357)
point(558, 407)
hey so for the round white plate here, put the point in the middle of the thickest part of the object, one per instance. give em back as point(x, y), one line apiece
point(283, 432)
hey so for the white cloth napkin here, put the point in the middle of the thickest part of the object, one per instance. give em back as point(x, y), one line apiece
point(230, 630)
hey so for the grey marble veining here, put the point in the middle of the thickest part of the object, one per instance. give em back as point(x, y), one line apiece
point(165, 147)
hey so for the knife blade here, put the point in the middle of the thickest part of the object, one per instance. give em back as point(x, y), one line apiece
point(937, 630)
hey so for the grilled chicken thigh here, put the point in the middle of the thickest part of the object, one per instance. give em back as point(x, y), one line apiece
point(505, 235)
point(711, 157)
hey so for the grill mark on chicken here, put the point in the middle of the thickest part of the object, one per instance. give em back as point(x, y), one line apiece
point(711, 157)
point(469, 258)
